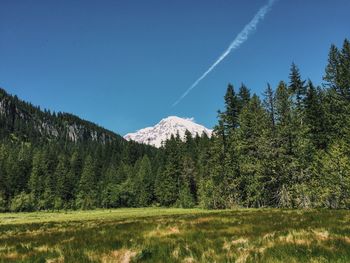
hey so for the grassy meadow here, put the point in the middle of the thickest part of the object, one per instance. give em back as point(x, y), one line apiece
point(176, 235)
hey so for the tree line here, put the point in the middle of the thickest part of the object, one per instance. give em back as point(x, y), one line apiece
point(288, 148)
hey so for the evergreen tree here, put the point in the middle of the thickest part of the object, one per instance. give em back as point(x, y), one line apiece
point(145, 183)
point(190, 145)
point(253, 120)
point(36, 180)
point(64, 187)
point(331, 177)
point(337, 74)
point(86, 197)
point(269, 104)
point(337, 96)
point(230, 116)
point(331, 76)
point(243, 97)
point(110, 188)
point(212, 192)
point(50, 181)
point(188, 187)
point(168, 181)
point(4, 185)
point(166, 186)
point(74, 174)
point(24, 163)
point(285, 139)
point(296, 86)
point(315, 117)
point(284, 117)
point(345, 70)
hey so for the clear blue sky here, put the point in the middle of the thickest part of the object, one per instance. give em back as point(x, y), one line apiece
point(122, 64)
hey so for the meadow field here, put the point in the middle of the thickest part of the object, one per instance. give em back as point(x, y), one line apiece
point(176, 235)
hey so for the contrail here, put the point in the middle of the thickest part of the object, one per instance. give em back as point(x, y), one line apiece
point(239, 40)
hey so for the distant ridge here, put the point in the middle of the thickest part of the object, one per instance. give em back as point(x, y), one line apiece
point(26, 121)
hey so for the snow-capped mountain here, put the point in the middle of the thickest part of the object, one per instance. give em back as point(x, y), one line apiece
point(165, 128)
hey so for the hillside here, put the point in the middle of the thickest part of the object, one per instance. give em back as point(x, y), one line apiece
point(29, 122)
point(57, 160)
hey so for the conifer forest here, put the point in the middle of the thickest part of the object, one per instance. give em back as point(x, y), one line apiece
point(286, 148)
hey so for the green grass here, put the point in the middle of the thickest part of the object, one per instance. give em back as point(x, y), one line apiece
point(176, 235)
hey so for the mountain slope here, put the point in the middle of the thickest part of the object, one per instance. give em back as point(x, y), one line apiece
point(26, 121)
point(57, 160)
point(165, 128)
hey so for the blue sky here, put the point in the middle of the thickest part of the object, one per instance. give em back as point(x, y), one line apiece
point(122, 64)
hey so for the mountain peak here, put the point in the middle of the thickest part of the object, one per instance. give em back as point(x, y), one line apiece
point(168, 126)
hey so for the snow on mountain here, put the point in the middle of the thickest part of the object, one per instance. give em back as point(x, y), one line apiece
point(165, 128)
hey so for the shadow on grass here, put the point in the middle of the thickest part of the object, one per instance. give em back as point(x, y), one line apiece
point(266, 235)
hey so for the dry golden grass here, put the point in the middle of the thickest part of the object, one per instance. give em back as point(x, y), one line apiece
point(121, 255)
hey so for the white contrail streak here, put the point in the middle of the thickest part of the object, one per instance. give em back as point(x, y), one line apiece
point(239, 40)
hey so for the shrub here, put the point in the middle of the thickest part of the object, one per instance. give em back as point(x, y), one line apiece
point(22, 203)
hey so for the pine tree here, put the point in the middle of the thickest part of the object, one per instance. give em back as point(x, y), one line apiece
point(331, 177)
point(345, 69)
point(86, 197)
point(337, 73)
point(190, 145)
point(337, 78)
point(269, 104)
point(213, 191)
point(48, 199)
point(145, 183)
point(74, 174)
point(188, 187)
point(124, 171)
point(230, 116)
point(284, 118)
point(110, 188)
point(12, 172)
point(315, 117)
point(331, 76)
point(64, 187)
point(36, 180)
point(285, 140)
point(243, 97)
point(168, 181)
point(253, 121)
point(297, 86)
point(166, 185)
point(50, 181)
point(24, 162)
